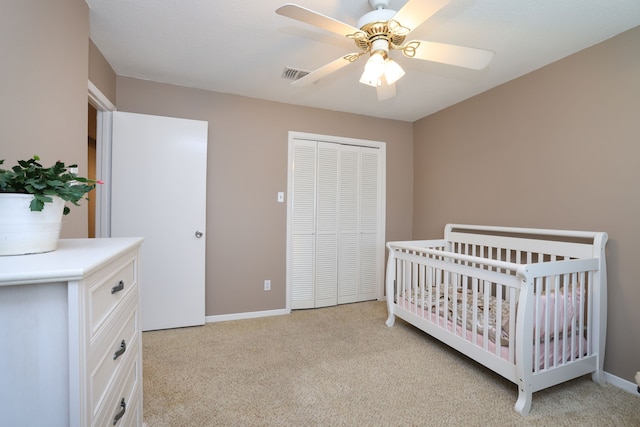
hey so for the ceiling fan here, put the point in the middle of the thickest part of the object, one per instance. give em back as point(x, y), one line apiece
point(378, 33)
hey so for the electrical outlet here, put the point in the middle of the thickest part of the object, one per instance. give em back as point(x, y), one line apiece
point(267, 285)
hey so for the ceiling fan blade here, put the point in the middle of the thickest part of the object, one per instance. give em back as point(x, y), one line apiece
point(415, 12)
point(461, 56)
point(386, 91)
point(325, 70)
point(316, 19)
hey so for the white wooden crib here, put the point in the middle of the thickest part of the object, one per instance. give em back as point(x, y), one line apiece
point(529, 304)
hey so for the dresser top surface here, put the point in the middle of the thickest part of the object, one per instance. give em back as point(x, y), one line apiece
point(72, 260)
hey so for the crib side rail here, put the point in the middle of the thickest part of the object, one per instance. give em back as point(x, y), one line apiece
point(408, 249)
point(418, 245)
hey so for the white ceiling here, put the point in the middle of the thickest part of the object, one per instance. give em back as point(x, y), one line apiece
point(242, 47)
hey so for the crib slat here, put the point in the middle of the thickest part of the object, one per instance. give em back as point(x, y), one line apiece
point(464, 286)
point(554, 361)
point(581, 324)
point(475, 286)
point(421, 284)
point(512, 324)
point(429, 283)
point(564, 332)
point(537, 315)
point(414, 289)
point(485, 331)
point(498, 325)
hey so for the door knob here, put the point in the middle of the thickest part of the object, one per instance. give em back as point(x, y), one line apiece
point(198, 234)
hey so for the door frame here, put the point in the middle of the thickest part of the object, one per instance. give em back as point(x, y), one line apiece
point(105, 108)
point(382, 146)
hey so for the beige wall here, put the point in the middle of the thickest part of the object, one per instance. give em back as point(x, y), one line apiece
point(247, 166)
point(101, 74)
point(557, 148)
point(43, 106)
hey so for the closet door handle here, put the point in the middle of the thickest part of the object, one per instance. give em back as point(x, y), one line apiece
point(118, 288)
point(121, 350)
point(120, 414)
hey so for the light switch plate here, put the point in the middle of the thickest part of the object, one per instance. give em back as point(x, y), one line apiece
point(280, 197)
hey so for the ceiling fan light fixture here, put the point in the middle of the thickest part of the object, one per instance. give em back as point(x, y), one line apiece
point(392, 71)
point(379, 65)
point(374, 69)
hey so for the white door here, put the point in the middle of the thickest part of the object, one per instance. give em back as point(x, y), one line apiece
point(159, 192)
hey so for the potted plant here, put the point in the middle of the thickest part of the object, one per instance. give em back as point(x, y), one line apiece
point(32, 202)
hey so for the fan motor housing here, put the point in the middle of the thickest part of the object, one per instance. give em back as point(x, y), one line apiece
point(375, 25)
point(378, 30)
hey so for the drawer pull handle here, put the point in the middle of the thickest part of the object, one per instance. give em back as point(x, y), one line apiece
point(120, 414)
point(121, 350)
point(118, 288)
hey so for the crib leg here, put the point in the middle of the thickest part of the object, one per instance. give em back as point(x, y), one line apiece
point(389, 287)
point(390, 320)
point(523, 404)
point(598, 377)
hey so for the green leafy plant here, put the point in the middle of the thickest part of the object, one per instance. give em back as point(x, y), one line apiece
point(30, 177)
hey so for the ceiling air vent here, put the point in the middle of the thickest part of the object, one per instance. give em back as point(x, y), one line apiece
point(293, 74)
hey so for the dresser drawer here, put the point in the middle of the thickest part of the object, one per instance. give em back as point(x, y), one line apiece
point(108, 355)
point(134, 411)
point(108, 287)
point(122, 405)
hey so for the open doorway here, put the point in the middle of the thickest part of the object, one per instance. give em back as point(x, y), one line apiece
point(91, 168)
point(99, 111)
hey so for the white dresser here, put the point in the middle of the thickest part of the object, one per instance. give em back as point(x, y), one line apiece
point(70, 342)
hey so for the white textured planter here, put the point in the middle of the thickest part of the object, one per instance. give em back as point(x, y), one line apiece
point(24, 232)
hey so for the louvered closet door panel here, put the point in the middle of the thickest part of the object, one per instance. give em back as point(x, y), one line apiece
point(348, 269)
point(369, 199)
point(368, 267)
point(348, 224)
point(303, 224)
point(326, 270)
point(302, 271)
point(327, 225)
point(304, 188)
point(369, 192)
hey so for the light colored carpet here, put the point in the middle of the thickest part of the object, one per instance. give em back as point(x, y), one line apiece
point(341, 366)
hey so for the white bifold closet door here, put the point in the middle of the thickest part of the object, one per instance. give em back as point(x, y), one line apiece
point(335, 223)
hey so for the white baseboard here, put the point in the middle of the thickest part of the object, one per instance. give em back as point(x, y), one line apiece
point(621, 383)
point(248, 315)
